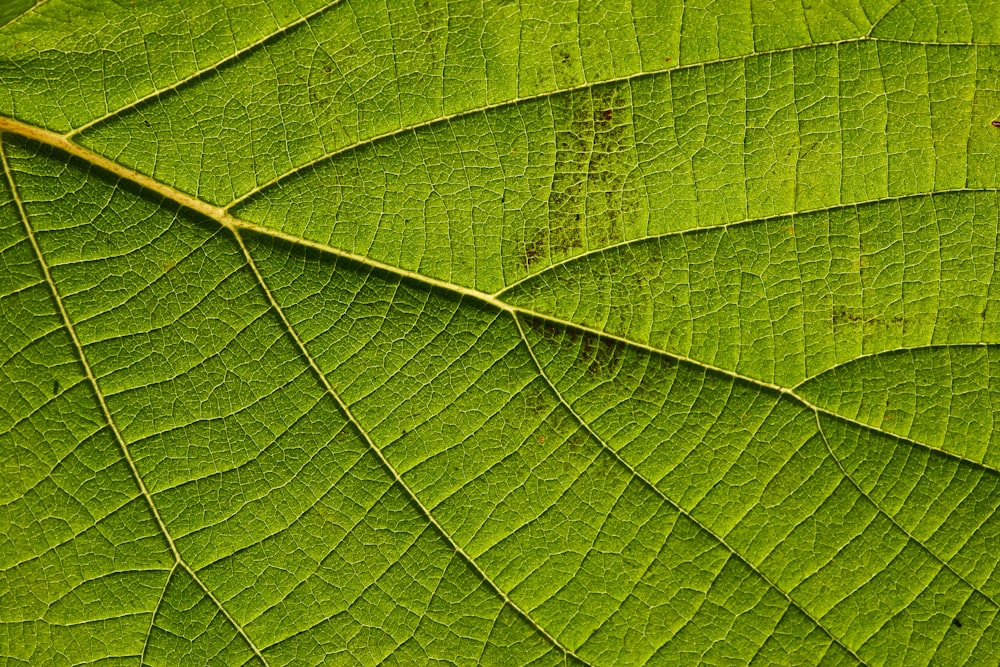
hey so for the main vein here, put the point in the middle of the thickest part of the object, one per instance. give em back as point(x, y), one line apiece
point(223, 217)
point(106, 412)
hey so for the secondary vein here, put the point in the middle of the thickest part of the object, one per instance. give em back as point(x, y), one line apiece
point(656, 490)
point(223, 217)
point(349, 415)
point(106, 412)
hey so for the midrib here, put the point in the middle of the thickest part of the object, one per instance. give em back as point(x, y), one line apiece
point(222, 217)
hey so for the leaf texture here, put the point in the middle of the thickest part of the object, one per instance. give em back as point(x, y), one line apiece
point(503, 333)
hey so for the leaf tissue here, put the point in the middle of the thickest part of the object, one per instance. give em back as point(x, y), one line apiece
point(486, 332)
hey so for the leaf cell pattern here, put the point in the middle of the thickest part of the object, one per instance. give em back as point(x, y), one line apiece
point(499, 333)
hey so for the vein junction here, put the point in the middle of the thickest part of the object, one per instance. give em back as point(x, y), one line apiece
point(238, 226)
point(222, 217)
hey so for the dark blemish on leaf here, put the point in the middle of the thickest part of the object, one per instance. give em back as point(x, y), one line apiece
point(146, 123)
point(535, 249)
point(591, 163)
point(604, 355)
point(552, 331)
point(321, 87)
point(995, 123)
point(537, 399)
point(957, 623)
point(610, 162)
point(55, 387)
point(845, 316)
point(544, 328)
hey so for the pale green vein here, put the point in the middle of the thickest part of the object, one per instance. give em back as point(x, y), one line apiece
point(222, 216)
point(156, 611)
point(369, 141)
point(106, 412)
point(239, 53)
point(753, 381)
point(732, 224)
point(346, 411)
point(440, 120)
point(656, 490)
point(35, 4)
point(497, 303)
point(892, 520)
point(883, 353)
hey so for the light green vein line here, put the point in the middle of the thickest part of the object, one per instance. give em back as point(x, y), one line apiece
point(221, 216)
point(546, 95)
point(202, 72)
point(649, 484)
point(502, 305)
point(67, 322)
point(892, 520)
point(490, 299)
point(156, 612)
point(790, 393)
point(29, 10)
point(514, 101)
point(885, 353)
point(345, 409)
point(735, 223)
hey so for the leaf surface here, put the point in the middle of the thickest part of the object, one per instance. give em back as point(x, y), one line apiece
point(499, 333)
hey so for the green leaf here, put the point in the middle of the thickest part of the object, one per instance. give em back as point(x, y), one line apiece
point(14, 8)
point(597, 333)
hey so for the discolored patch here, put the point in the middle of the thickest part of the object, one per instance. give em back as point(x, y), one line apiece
point(588, 201)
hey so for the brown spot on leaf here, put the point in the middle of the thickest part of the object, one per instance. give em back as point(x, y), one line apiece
point(843, 316)
point(604, 356)
point(544, 328)
point(535, 250)
point(588, 203)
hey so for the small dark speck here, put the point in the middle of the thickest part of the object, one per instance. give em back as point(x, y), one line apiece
point(146, 123)
point(55, 387)
point(957, 623)
point(995, 123)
